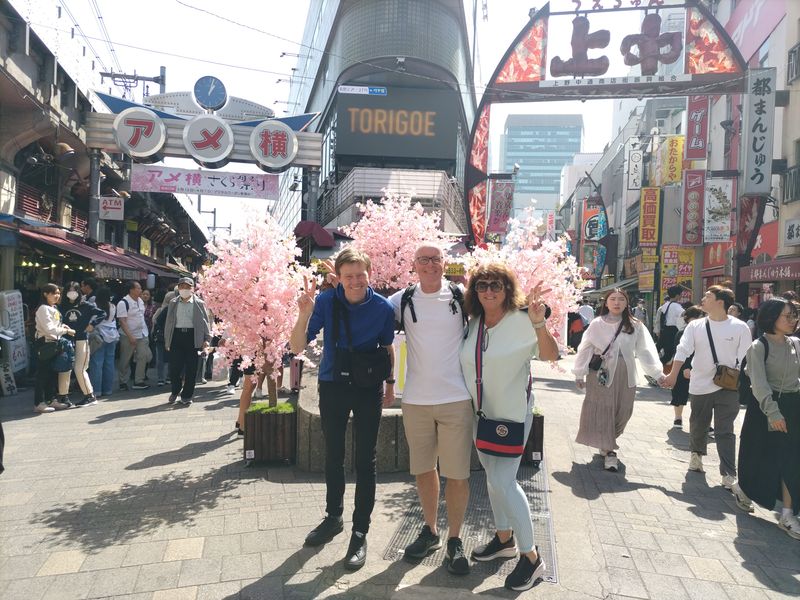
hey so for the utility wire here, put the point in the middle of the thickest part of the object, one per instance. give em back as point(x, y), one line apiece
point(101, 22)
point(83, 34)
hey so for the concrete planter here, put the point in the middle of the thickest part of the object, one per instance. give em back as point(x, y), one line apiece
point(270, 437)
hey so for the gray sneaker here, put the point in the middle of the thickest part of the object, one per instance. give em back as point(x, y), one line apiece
point(185, 401)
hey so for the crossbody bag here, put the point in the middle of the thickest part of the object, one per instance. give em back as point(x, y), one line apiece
point(495, 437)
point(725, 377)
point(597, 359)
point(364, 369)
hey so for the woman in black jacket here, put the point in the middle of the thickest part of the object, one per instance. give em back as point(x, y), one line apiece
point(680, 392)
point(81, 316)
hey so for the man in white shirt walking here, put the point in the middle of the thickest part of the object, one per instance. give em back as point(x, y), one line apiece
point(437, 410)
point(731, 340)
point(668, 322)
point(133, 339)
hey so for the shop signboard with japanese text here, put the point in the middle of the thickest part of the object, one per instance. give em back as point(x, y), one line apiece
point(12, 318)
point(502, 201)
point(791, 232)
point(112, 208)
point(677, 268)
point(758, 123)
point(692, 213)
point(156, 178)
point(649, 214)
point(635, 158)
point(671, 160)
point(717, 210)
point(696, 147)
point(595, 220)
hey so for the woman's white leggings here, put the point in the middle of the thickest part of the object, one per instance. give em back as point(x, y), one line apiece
point(80, 369)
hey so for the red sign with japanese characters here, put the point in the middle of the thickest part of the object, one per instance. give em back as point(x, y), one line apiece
point(692, 214)
point(696, 147)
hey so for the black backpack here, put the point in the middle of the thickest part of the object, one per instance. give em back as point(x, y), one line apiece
point(456, 304)
point(663, 317)
point(745, 387)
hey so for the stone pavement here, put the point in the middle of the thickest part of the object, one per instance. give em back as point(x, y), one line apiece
point(134, 499)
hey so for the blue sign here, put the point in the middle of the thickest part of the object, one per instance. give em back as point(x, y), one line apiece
point(378, 91)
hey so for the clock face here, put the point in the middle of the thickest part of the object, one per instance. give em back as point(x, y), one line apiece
point(210, 93)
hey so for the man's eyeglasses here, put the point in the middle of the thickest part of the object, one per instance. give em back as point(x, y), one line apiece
point(495, 286)
point(426, 260)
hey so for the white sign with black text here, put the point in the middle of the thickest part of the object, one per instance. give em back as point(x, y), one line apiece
point(758, 129)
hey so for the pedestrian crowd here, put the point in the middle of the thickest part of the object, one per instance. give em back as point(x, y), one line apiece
point(83, 332)
point(468, 384)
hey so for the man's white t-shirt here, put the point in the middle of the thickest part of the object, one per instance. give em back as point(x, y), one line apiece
point(134, 312)
point(731, 341)
point(433, 342)
point(674, 313)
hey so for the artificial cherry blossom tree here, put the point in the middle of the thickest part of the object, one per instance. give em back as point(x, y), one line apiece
point(390, 231)
point(536, 260)
point(252, 286)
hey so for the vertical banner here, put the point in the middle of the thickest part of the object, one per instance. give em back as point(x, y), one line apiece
point(502, 200)
point(672, 160)
point(635, 158)
point(717, 210)
point(692, 214)
point(677, 268)
point(696, 147)
point(758, 131)
point(648, 219)
point(595, 221)
point(551, 225)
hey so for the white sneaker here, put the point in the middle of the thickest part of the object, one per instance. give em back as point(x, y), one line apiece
point(728, 481)
point(696, 462)
point(258, 393)
point(231, 389)
point(742, 501)
point(42, 407)
point(611, 462)
point(790, 525)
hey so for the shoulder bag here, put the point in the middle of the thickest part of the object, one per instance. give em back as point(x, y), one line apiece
point(725, 377)
point(495, 437)
point(597, 359)
point(364, 369)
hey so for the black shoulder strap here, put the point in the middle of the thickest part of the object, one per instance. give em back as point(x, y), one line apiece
point(711, 343)
point(619, 329)
point(458, 301)
point(763, 340)
point(337, 310)
point(406, 300)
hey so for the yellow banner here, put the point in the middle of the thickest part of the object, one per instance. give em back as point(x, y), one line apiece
point(671, 163)
point(648, 217)
point(677, 268)
point(647, 281)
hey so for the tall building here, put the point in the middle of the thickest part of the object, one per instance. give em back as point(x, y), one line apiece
point(392, 81)
point(541, 145)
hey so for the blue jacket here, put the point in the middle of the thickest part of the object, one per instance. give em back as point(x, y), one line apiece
point(371, 324)
point(79, 316)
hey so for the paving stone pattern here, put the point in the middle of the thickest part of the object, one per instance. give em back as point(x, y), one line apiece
point(139, 500)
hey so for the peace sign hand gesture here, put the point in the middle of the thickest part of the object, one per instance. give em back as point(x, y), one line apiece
point(536, 307)
point(305, 302)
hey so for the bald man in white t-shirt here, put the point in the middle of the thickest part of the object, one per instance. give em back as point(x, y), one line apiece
point(437, 409)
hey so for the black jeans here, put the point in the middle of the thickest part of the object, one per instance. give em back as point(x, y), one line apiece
point(183, 363)
point(44, 389)
point(336, 402)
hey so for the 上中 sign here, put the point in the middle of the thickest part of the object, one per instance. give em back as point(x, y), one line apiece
point(758, 124)
point(112, 208)
point(139, 132)
point(696, 147)
point(648, 219)
point(692, 214)
point(274, 145)
point(717, 210)
point(155, 178)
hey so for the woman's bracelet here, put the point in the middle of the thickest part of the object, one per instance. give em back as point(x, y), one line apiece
point(539, 325)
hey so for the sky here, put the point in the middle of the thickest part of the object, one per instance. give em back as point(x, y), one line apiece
point(242, 42)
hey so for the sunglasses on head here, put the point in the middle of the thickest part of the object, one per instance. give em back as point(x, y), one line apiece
point(495, 286)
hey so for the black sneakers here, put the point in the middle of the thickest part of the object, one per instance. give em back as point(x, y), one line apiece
point(425, 543)
point(455, 560)
point(495, 549)
point(525, 573)
point(356, 552)
point(325, 531)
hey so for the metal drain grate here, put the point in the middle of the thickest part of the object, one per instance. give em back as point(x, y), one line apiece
point(478, 525)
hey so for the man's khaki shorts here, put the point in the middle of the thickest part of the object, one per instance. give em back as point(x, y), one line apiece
point(442, 431)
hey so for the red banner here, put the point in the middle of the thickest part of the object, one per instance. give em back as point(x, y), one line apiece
point(502, 201)
point(697, 128)
point(694, 186)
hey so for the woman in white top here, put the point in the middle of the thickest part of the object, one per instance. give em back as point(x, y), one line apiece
point(49, 329)
point(511, 338)
point(608, 404)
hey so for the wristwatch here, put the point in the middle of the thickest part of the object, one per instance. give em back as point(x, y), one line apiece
point(392, 380)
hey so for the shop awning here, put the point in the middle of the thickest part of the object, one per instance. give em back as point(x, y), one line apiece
point(65, 245)
point(617, 284)
point(321, 236)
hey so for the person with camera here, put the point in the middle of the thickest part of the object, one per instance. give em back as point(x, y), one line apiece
point(605, 366)
point(355, 376)
point(719, 343)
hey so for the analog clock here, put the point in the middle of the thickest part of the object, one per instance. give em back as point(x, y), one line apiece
point(210, 93)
